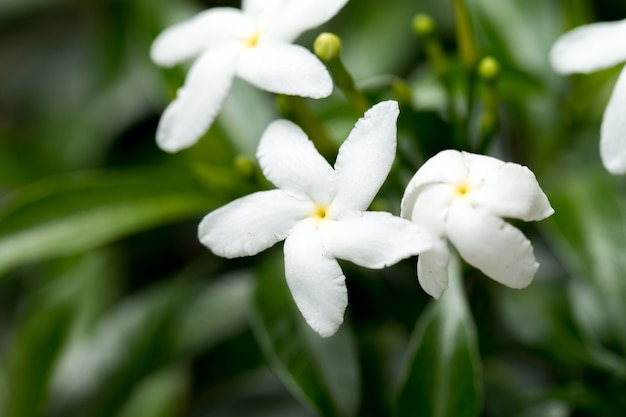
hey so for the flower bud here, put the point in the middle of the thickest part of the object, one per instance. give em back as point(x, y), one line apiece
point(327, 46)
point(423, 25)
point(244, 166)
point(488, 68)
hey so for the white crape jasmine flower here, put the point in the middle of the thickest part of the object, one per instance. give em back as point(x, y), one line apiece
point(591, 48)
point(255, 44)
point(462, 198)
point(320, 213)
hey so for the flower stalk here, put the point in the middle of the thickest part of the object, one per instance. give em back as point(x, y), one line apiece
point(327, 47)
point(488, 72)
point(466, 40)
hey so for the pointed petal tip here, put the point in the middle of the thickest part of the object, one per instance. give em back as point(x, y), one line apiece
point(436, 294)
point(388, 106)
point(327, 330)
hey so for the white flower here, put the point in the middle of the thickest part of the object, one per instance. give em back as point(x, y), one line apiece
point(462, 197)
point(255, 44)
point(591, 48)
point(320, 213)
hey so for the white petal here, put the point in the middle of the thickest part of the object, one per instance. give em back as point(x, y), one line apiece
point(492, 245)
point(197, 103)
point(432, 269)
point(315, 279)
point(252, 223)
point(613, 131)
point(285, 69)
point(373, 239)
point(447, 167)
point(430, 211)
point(286, 19)
point(506, 189)
point(430, 208)
point(590, 48)
point(190, 37)
point(291, 162)
point(365, 158)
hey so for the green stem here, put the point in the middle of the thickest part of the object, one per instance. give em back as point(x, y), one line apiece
point(328, 48)
point(346, 84)
point(466, 40)
point(468, 51)
point(424, 27)
point(488, 71)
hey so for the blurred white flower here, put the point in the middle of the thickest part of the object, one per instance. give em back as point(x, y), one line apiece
point(463, 198)
point(255, 44)
point(320, 213)
point(591, 48)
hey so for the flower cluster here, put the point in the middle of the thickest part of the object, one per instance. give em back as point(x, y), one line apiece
point(320, 211)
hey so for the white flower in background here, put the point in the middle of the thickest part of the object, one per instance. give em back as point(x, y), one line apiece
point(463, 198)
point(320, 213)
point(255, 44)
point(591, 48)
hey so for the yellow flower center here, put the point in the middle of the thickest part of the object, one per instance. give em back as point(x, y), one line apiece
point(252, 40)
point(320, 213)
point(463, 188)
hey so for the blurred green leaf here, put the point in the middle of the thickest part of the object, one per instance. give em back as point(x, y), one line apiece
point(589, 234)
point(552, 408)
point(443, 373)
point(376, 26)
point(29, 363)
point(165, 325)
point(215, 312)
point(67, 215)
point(257, 393)
point(161, 395)
point(321, 372)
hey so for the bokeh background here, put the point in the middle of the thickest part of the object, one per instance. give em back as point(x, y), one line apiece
point(109, 306)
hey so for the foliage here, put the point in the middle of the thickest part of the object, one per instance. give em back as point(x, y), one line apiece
point(109, 305)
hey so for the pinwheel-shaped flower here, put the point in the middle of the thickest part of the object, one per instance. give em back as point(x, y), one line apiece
point(591, 48)
point(463, 198)
point(319, 212)
point(254, 43)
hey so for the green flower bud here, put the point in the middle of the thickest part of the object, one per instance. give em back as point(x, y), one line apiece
point(488, 68)
point(244, 166)
point(327, 46)
point(423, 25)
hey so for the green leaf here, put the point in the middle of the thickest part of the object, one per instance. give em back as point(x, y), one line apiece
point(320, 372)
point(32, 356)
point(160, 395)
point(589, 234)
point(69, 215)
point(166, 325)
point(443, 373)
point(214, 312)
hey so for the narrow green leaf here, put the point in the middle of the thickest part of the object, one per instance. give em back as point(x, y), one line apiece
point(443, 374)
point(31, 359)
point(321, 372)
point(66, 215)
